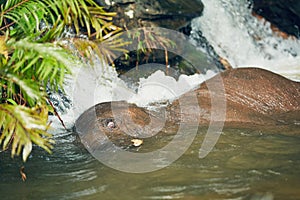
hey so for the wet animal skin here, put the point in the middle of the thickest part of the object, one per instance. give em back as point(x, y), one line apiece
point(247, 97)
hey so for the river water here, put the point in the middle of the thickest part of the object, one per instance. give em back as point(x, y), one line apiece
point(244, 164)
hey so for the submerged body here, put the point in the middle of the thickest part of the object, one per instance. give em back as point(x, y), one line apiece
point(249, 97)
point(253, 96)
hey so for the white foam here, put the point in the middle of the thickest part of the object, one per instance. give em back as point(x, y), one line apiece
point(159, 87)
point(229, 27)
point(101, 84)
point(92, 85)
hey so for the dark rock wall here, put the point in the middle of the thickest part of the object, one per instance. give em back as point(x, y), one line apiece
point(177, 14)
point(285, 14)
point(172, 14)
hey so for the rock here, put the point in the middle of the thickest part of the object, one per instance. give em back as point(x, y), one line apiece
point(254, 98)
point(172, 14)
point(285, 14)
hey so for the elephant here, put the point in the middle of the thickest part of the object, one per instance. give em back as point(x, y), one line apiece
point(240, 97)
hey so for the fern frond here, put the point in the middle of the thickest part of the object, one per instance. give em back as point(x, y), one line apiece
point(24, 88)
point(46, 63)
point(32, 59)
point(20, 126)
point(107, 50)
point(26, 16)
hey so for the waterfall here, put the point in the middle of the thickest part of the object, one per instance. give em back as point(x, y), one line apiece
point(229, 28)
point(244, 40)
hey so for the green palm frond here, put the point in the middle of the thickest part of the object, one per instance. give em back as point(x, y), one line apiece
point(34, 58)
point(22, 91)
point(23, 126)
point(31, 68)
point(147, 39)
point(46, 63)
point(27, 16)
point(107, 49)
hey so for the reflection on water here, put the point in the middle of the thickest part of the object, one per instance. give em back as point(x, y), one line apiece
point(244, 165)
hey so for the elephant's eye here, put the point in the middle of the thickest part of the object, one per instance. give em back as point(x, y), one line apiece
point(111, 125)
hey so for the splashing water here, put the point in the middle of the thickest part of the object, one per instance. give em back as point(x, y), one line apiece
point(90, 85)
point(234, 169)
point(242, 39)
point(227, 25)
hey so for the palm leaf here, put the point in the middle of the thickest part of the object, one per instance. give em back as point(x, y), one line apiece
point(20, 126)
point(28, 89)
point(26, 16)
point(32, 58)
point(107, 50)
point(46, 63)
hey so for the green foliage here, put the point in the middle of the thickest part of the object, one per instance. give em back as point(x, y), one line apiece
point(21, 126)
point(105, 49)
point(148, 39)
point(45, 62)
point(33, 58)
point(47, 18)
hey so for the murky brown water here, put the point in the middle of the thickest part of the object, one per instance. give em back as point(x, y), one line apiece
point(244, 164)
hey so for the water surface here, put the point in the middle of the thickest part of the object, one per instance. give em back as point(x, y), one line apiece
point(245, 164)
